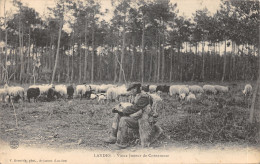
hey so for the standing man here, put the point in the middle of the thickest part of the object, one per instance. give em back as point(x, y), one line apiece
point(128, 118)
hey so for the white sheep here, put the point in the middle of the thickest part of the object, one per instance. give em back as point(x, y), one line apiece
point(122, 93)
point(82, 89)
point(191, 97)
point(14, 91)
point(62, 89)
point(182, 96)
point(152, 88)
point(196, 89)
point(104, 87)
point(3, 93)
point(112, 94)
point(183, 89)
point(93, 96)
point(221, 89)
point(102, 98)
point(174, 90)
point(209, 89)
point(43, 88)
point(247, 90)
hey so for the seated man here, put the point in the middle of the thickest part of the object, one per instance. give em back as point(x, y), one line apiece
point(128, 118)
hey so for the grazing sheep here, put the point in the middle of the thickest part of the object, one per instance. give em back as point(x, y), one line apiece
point(163, 88)
point(81, 90)
point(43, 88)
point(122, 93)
point(191, 97)
point(145, 88)
point(62, 89)
point(247, 90)
point(88, 92)
point(182, 96)
point(112, 94)
point(174, 90)
point(53, 94)
point(183, 89)
point(3, 93)
point(209, 89)
point(14, 92)
point(221, 89)
point(196, 89)
point(152, 88)
point(33, 93)
point(70, 91)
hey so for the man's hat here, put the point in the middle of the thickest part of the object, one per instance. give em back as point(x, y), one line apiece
point(133, 86)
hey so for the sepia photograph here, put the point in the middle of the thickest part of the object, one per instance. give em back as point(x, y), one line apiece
point(129, 81)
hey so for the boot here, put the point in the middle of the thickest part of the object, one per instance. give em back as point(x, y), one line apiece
point(112, 137)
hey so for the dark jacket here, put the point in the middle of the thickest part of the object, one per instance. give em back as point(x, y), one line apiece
point(141, 101)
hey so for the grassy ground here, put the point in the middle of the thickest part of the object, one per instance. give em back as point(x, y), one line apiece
point(75, 124)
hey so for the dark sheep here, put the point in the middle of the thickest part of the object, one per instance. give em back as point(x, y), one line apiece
point(53, 94)
point(70, 92)
point(33, 93)
point(163, 88)
point(88, 94)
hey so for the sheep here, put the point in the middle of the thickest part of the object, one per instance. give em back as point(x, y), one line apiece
point(182, 96)
point(122, 93)
point(163, 88)
point(62, 89)
point(33, 93)
point(104, 87)
point(88, 92)
point(152, 88)
point(196, 89)
point(210, 89)
point(221, 89)
point(247, 90)
point(70, 91)
point(111, 94)
point(183, 89)
point(174, 90)
point(93, 96)
point(15, 92)
point(101, 98)
point(43, 88)
point(52, 93)
point(191, 97)
point(3, 93)
point(82, 89)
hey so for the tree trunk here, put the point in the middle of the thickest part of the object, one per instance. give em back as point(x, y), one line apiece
point(86, 52)
point(256, 94)
point(171, 64)
point(158, 59)
point(203, 62)
point(80, 69)
point(225, 61)
point(133, 58)
point(6, 78)
point(142, 57)
point(163, 55)
point(93, 50)
point(58, 48)
point(122, 55)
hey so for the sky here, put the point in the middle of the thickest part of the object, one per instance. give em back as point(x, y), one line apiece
point(185, 7)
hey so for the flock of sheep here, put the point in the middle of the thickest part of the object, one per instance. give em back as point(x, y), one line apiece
point(108, 92)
